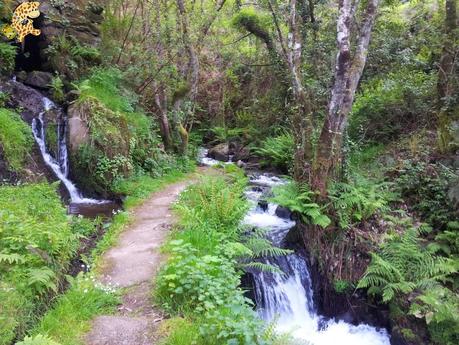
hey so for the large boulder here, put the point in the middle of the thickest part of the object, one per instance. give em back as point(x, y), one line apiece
point(220, 152)
point(78, 130)
point(23, 97)
point(39, 79)
point(63, 24)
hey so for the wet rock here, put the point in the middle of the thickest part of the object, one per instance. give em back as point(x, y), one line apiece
point(220, 152)
point(39, 79)
point(263, 204)
point(29, 100)
point(242, 154)
point(283, 212)
point(77, 128)
point(294, 236)
point(241, 164)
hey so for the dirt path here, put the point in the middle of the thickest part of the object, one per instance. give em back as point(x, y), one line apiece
point(133, 264)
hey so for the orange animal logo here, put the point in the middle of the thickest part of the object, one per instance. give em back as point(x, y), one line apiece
point(22, 23)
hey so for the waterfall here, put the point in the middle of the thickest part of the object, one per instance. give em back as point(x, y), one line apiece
point(287, 298)
point(60, 164)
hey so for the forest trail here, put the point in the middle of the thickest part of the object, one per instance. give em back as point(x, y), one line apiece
point(132, 264)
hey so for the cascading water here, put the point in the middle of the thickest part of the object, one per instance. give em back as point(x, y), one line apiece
point(287, 298)
point(59, 165)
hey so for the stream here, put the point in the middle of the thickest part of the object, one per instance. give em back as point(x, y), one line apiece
point(288, 299)
point(60, 165)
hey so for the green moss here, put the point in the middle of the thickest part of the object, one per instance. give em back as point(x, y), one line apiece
point(51, 138)
point(15, 138)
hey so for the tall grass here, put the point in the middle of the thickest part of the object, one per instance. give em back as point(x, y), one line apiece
point(15, 138)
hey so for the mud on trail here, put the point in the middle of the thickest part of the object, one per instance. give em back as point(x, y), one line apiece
point(132, 264)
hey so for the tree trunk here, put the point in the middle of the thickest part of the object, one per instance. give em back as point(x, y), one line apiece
point(163, 120)
point(193, 71)
point(448, 81)
point(302, 118)
point(347, 75)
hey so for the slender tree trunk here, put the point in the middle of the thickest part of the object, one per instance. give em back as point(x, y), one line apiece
point(448, 80)
point(302, 117)
point(164, 127)
point(193, 71)
point(349, 68)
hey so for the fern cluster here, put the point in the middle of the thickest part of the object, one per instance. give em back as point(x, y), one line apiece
point(299, 198)
point(36, 245)
point(358, 200)
point(277, 151)
point(403, 266)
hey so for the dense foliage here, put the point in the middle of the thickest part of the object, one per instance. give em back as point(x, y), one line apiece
point(201, 279)
point(36, 244)
point(15, 139)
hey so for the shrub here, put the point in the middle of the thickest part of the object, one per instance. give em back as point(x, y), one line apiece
point(7, 58)
point(15, 138)
point(190, 282)
point(425, 186)
point(201, 279)
point(389, 107)
point(36, 245)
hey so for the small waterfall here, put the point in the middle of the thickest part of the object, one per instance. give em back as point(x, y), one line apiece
point(288, 298)
point(60, 165)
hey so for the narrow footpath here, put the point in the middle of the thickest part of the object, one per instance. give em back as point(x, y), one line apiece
point(132, 264)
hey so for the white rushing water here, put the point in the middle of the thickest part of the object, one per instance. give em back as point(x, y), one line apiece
point(288, 298)
point(60, 165)
point(210, 162)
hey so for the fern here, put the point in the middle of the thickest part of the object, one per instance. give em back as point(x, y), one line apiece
point(404, 265)
point(42, 279)
point(358, 200)
point(299, 198)
point(37, 340)
point(260, 266)
point(12, 259)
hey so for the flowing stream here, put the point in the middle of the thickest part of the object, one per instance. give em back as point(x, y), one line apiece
point(60, 165)
point(288, 299)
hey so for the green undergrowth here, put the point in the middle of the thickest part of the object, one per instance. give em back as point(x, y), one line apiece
point(37, 243)
point(71, 313)
point(199, 284)
point(124, 143)
point(15, 139)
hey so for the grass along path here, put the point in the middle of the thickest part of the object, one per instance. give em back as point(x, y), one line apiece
point(132, 264)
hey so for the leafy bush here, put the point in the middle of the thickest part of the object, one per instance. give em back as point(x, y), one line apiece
point(388, 107)
point(7, 57)
point(196, 283)
point(278, 151)
point(15, 138)
point(438, 307)
point(201, 278)
point(36, 245)
point(425, 186)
